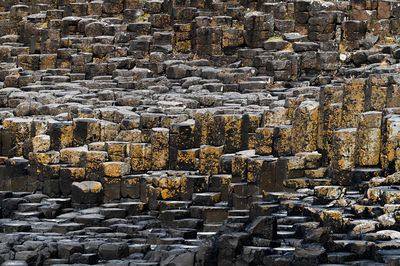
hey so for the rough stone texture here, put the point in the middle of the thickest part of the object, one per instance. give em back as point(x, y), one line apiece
point(149, 132)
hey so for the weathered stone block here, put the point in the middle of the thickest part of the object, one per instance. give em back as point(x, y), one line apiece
point(264, 140)
point(69, 175)
point(262, 170)
point(305, 127)
point(93, 160)
point(220, 183)
point(87, 192)
point(230, 132)
point(263, 226)
point(111, 188)
point(113, 6)
point(232, 38)
point(353, 101)
point(288, 167)
point(276, 117)
point(15, 130)
point(326, 194)
point(204, 127)
point(41, 143)
point(393, 94)
point(390, 140)
point(73, 156)
point(117, 151)
point(160, 148)
point(187, 159)
point(50, 157)
point(369, 139)
point(141, 157)
point(376, 93)
point(210, 159)
point(47, 61)
point(343, 150)
point(86, 130)
point(130, 186)
point(282, 140)
point(354, 30)
point(115, 169)
point(240, 163)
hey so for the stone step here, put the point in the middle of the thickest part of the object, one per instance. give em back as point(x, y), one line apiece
point(341, 257)
point(64, 202)
point(285, 234)
point(113, 213)
point(238, 219)
point(294, 207)
point(143, 263)
point(206, 198)
point(99, 229)
point(209, 214)
point(168, 205)
point(366, 262)
point(390, 256)
point(168, 216)
point(211, 227)
point(234, 226)
point(63, 228)
point(262, 209)
point(171, 241)
point(290, 220)
point(188, 223)
point(238, 212)
point(90, 219)
point(283, 250)
point(133, 208)
point(298, 183)
point(291, 242)
point(206, 234)
point(278, 196)
point(280, 214)
point(26, 215)
point(285, 227)
point(16, 226)
point(24, 207)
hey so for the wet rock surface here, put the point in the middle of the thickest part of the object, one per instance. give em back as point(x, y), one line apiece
point(146, 132)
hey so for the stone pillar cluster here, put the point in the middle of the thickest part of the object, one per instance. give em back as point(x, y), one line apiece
point(199, 132)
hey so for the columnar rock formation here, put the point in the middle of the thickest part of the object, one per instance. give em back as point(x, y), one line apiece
point(146, 132)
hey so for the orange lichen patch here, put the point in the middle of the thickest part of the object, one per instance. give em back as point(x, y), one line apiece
point(45, 157)
point(210, 159)
point(264, 140)
point(316, 173)
point(89, 186)
point(160, 148)
point(115, 169)
point(187, 159)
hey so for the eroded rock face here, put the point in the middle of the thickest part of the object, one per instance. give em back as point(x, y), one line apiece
point(87, 192)
point(147, 132)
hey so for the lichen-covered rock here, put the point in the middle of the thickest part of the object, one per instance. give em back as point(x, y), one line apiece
point(324, 194)
point(210, 159)
point(305, 127)
point(199, 132)
point(73, 156)
point(343, 150)
point(41, 143)
point(369, 139)
point(87, 192)
point(115, 169)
